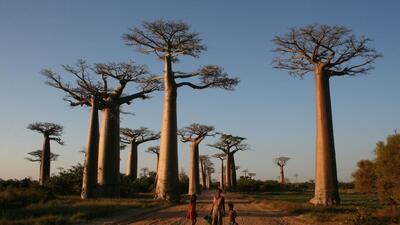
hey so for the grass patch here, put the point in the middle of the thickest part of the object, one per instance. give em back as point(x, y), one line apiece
point(354, 209)
point(69, 210)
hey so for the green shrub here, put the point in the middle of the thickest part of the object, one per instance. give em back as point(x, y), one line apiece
point(18, 197)
point(67, 182)
point(131, 186)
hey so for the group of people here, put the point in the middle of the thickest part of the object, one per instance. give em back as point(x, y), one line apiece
point(217, 210)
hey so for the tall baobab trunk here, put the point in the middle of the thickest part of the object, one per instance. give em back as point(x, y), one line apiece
point(167, 179)
point(45, 161)
point(203, 174)
point(194, 178)
point(282, 177)
point(221, 185)
point(228, 184)
point(108, 168)
point(233, 174)
point(208, 180)
point(326, 183)
point(89, 180)
point(132, 164)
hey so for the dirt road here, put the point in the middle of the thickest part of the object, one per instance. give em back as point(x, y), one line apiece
point(249, 213)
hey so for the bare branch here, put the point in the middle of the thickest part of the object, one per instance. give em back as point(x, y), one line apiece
point(210, 76)
point(229, 143)
point(165, 37)
point(195, 132)
point(333, 46)
point(138, 136)
point(36, 156)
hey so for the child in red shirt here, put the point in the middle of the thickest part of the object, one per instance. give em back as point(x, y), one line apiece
point(191, 213)
point(232, 214)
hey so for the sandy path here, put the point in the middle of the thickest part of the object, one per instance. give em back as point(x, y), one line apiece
point(248, 214)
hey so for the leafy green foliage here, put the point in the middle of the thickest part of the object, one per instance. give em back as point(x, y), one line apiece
point(67, 182)
point(383, 172)
point(130, 186)
point(250, 185)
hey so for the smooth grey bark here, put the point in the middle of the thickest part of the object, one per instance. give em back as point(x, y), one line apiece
point(45, 161)
point(89, 180)
point(167, 179)
point(222, 185)
point(194, 178)
point(132, 164)
point(228, 184)
point(282, 175)
point(326, 183)
point(233, 174)
point(208, 180)
point(109, 153)
point(203, 174)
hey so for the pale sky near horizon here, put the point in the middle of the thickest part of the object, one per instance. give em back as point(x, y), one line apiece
point(274, 111)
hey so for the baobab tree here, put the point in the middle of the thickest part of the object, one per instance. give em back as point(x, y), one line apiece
point(36, 156)
point(327, 51)
point(222, 157)
point(85, 92)
point(145, 171)
point(230, 144)
point(154, 150)
point(95, 91)
point(281, 162)
point(170, 40)
point(251, 175)
point(134, 138)
point(245, 171)
point(50, 132)
point(202, 160)
point(195, 134)
point(209, 171)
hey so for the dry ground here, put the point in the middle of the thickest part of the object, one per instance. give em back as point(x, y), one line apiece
point(249, 213)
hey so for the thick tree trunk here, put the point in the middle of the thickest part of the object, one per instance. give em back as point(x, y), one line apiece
point(282, 177)
point(194, 178)
point(203, 175)
point(326, 183)
point(132, 164)
point(233, 174)
point(221, 185)
point(208, 180)
point(89, 180)
point(45, 161)
point(167, 179)
point(109, 157)
point(158, 160)
point(228, 184)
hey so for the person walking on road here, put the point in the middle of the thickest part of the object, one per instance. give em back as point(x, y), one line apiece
point(191, 213)
point(218, 208)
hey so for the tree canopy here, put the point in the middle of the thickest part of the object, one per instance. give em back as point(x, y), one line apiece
point(333, 47)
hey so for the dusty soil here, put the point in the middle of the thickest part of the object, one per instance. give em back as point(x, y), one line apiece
point(249, 213)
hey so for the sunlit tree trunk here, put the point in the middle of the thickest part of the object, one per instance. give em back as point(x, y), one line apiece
point(326, 183)
point(167, 179)
point(45, 161)
point(91, 156)
point(282, 177)
point(109, 157)
point(203, 175)
point(208, 180)
point(194, 178)
point(132, 164)
point(228, 184)
point(233, 173)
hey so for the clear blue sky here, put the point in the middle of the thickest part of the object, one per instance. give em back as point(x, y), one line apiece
point(273, 110)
